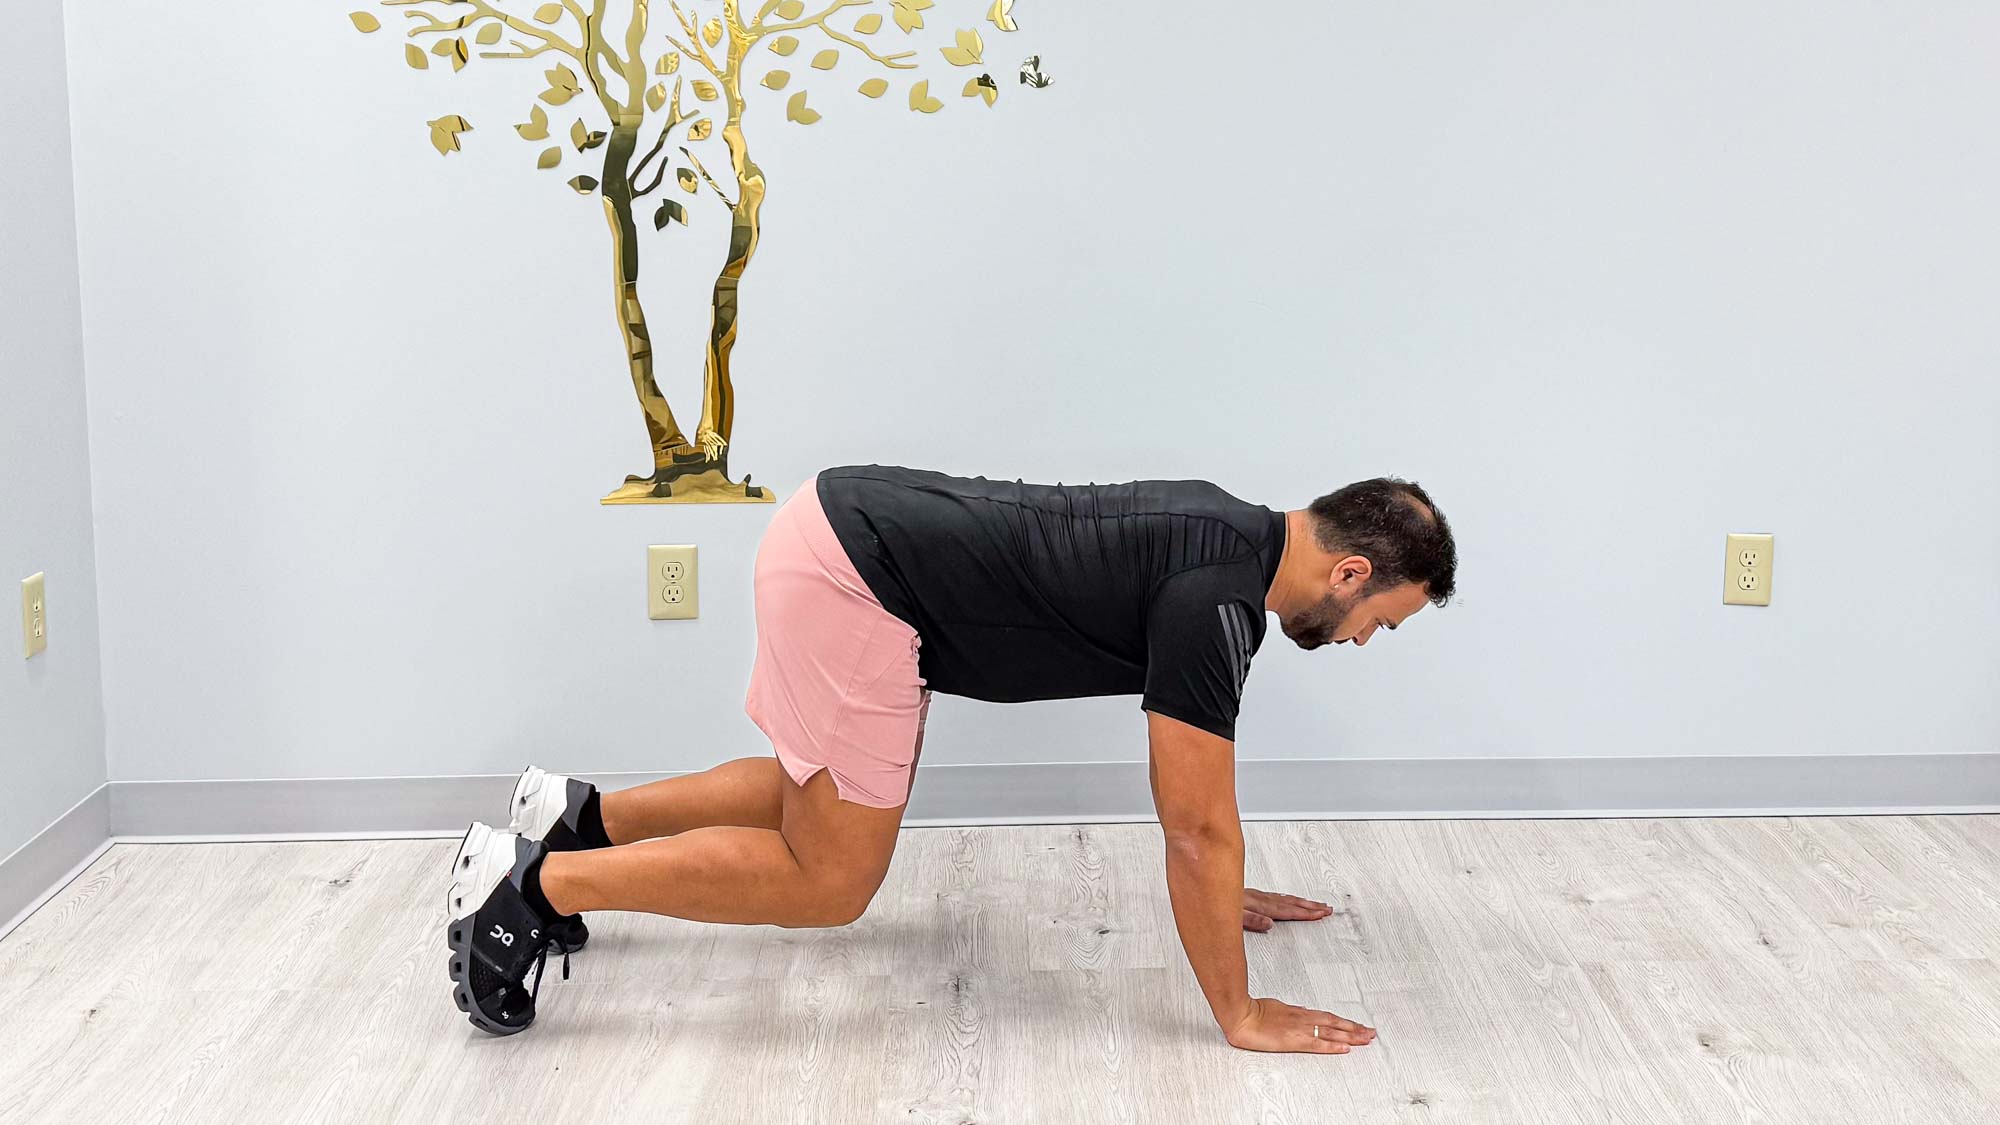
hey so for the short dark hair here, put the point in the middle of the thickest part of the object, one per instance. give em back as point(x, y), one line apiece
point(1394, 525)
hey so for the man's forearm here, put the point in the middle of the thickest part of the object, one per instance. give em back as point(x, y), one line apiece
point(1205, 883)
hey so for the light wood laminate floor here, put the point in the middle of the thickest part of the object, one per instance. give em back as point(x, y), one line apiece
point(1758, 969)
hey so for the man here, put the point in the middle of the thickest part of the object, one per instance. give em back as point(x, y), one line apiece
point(876, 586)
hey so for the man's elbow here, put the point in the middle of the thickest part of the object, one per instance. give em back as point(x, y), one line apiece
point(1196, 839)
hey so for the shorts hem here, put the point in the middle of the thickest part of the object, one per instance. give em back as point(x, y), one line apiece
point(802, 772)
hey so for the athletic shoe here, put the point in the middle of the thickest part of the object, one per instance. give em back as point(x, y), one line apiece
point(546, 807)
point(495, 934)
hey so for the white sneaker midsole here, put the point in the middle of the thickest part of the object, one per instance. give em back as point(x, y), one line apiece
point(540, 799)
point(484, 858)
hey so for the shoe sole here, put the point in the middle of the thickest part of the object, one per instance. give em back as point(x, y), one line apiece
point(527, 814)
point(530, 818)
point(458, 931)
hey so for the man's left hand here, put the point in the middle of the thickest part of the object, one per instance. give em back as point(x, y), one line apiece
point(1262, 908)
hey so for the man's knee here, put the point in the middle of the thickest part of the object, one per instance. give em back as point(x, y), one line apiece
point(836, 903)
point(845, 912)
point(842, 850)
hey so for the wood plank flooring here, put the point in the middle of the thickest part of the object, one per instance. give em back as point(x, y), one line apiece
point(1763, 969)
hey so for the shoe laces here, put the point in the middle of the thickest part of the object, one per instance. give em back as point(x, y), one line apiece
point(541, 962)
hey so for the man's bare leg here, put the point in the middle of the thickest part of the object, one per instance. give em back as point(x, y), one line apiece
point(819, 867)
point(748, 792)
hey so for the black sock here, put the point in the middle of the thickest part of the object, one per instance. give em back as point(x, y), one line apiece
point(590, 823)
point(531, 889)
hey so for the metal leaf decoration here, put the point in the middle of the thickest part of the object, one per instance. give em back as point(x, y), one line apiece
point(908, 15)
point(583, 36)
point(966, 53)
point(453, 49)
point(445, 131)
point(562, 85)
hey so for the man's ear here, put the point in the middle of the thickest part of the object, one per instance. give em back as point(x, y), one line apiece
point(1355, 570)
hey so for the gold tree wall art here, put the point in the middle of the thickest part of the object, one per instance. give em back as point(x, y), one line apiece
point(643, 102)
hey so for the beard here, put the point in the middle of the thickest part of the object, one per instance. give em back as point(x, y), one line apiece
point(1318, 623)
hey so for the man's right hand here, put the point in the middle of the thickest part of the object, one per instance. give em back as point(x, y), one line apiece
point(1273, 1025)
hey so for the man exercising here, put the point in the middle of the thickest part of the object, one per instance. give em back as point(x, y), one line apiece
point(876, 586)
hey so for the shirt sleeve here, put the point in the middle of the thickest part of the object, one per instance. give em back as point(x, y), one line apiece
point(1201, 630)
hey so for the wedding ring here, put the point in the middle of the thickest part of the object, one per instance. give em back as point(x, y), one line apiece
point(1315, 1031)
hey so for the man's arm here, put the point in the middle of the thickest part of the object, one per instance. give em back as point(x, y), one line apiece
point(1194, 790)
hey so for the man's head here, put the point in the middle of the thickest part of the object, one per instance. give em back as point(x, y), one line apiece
point(1383, 550)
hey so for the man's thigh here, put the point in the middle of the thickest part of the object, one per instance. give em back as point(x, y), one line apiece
point(838, 843)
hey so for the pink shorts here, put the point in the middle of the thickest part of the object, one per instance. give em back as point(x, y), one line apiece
point(835, 686)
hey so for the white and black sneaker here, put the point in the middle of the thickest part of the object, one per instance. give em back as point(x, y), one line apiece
point(495, 932)
point(561, 812)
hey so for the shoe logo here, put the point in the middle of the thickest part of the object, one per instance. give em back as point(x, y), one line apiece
point(506, 938)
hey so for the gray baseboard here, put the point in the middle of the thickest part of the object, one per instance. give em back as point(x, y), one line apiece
point(1062, 793)
point(327, 806)
point(41, 866)
point(1353, 789)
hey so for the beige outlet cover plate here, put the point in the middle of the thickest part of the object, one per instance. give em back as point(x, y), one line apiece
point(1746, 570)
point(34, 616)
point(671, 590)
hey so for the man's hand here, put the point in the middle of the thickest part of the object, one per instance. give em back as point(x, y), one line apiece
point(1273, 1025)
point(1262, 908)
point(1194, 787)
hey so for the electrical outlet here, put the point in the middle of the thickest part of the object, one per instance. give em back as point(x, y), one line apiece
point(670, 582)
point(1746, 570)
point(34, 616)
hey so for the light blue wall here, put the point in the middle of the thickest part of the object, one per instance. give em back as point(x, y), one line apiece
point(51, 712)
point(1612, 282)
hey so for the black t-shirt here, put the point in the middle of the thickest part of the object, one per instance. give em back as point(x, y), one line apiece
point(1050, 591)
